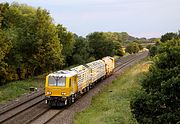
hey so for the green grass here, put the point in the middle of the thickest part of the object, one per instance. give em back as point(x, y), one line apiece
point(112, 105)
point(15, 89)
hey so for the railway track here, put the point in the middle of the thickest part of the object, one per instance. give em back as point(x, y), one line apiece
point(11, 111)
point(124, 59)
point(46, 117)
point(129, 60)
point(18, 102)
point(45, 114)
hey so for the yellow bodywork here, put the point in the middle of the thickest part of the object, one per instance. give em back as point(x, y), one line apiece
point(110, 64)
point(66, 91)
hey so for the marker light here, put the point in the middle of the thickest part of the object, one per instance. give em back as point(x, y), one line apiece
point(48, 93)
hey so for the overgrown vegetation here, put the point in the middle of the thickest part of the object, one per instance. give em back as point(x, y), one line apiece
point(13, 90)
point(112, 104)
point(160, 97)
point(133, 47)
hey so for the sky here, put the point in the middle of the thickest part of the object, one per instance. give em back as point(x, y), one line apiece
point(139, 18)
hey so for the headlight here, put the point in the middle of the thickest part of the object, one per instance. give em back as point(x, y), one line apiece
point(63, 93)
point(48, 93)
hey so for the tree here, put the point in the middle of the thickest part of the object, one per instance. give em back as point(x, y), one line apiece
point(67, 40)
point(81, 51)
point(157, 41)
point(46, 47)
point(101, 45)
point(5, 46)
point(153, 50)
point(118, 50)
point(29, 42)
point(148, 46)
point(168, 36)
point(4, 7)
point(105, 44)
point(140, 47)
point(159, 103)
point(132, 47)
point(7, 37)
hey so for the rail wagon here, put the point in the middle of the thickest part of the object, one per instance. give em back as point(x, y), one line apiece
point(109, 64)
point(83, 78)
point(97, 69)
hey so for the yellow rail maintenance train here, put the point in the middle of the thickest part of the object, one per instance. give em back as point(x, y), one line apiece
point(64, 86)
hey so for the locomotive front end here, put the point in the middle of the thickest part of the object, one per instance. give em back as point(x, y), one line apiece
point(58, 89)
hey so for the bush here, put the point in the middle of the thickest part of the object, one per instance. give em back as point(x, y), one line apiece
point(132, 48)
point(153, 50)
point(160, 101)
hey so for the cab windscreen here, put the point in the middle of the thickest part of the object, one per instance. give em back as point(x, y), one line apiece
point(56, 81)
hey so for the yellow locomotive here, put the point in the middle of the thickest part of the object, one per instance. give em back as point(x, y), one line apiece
point(64, 86)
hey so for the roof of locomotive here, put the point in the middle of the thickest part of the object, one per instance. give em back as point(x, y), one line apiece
point(63, 73)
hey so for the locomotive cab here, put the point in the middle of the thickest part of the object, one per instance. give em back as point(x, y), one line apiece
point(60, 87)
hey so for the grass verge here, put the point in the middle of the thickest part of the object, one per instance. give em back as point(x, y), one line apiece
point(112, 105)
point(15, 89)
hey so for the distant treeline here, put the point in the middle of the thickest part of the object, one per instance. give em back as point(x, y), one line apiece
point(31, 44)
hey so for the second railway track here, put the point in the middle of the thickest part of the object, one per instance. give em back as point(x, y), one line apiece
point(12, 111)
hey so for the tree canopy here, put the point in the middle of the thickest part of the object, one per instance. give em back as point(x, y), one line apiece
point(168, 36)
point(67, 40)
point(29, 42)
point(133, 47)
point(104, 44)
point(159, 101)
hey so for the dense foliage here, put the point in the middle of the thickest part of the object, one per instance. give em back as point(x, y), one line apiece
point(133, 47)
point(153, 50)
point(28, 39)
point(168, 36)
point(159, 101)
point(67, 40)
point(81, 51)
point(31, 44)
point(105, 44)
